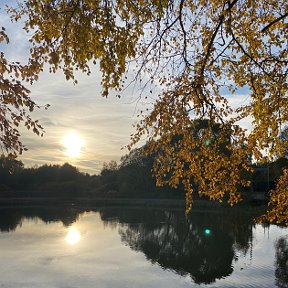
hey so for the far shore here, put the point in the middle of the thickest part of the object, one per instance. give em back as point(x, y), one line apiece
point(124, 202)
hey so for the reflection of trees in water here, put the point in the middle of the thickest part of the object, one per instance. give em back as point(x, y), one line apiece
point(10, 217)
point(281, 262)
point(9, 220)
point(202, 246)
point(184, 248)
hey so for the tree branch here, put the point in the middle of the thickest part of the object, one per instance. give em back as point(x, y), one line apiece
point(274, 21)
point(210, 45)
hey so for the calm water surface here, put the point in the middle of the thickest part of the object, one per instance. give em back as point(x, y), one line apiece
point(69, 247)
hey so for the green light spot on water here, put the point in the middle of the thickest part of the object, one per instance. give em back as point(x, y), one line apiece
point(207, 231)
point(207, 142)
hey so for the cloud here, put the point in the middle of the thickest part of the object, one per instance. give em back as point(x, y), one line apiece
point(104, 124)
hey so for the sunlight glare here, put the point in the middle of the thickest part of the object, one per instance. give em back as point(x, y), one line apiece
point(73, 236)
point(73, 144)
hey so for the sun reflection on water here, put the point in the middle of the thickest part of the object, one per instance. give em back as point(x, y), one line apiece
point(73, 236)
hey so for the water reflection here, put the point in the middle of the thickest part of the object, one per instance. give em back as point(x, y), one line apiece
point(208, 246)
point(187, 245)
point(281, 262)
point(73, 236)
point(11, 217)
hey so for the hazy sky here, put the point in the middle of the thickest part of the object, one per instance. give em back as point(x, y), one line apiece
point(104, 125)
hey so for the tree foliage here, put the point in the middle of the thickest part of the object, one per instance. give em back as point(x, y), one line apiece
point(14, 103)
point(198, 52)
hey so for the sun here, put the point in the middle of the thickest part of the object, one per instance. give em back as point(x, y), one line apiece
point(73, 236)
point(73, 144)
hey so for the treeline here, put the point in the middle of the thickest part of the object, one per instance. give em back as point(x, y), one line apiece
point(265, 176)
point(44, 181)
point(131, 178)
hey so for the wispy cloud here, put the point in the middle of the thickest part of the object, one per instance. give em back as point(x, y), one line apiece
point(104, 124)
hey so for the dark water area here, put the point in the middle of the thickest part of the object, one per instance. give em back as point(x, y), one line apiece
point(125, 247)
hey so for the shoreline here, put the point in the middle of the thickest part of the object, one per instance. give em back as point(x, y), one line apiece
point(125, 202)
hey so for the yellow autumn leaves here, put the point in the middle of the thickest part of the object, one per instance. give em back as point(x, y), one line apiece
point(199, 53)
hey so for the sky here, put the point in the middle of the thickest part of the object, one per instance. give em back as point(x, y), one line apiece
point(81, 127)
point(102, 125)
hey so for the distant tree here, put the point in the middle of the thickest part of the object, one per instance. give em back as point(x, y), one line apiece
point(10, 164)
point(46, 180)
point(108, 179)
point(7, 166)
point(136, 156)
point(69, 172)
point(109, 166)
point(134, 175)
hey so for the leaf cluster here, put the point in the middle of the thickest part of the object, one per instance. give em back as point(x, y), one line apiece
point(199, 53)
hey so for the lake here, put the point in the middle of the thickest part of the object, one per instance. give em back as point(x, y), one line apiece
point(123, 247)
